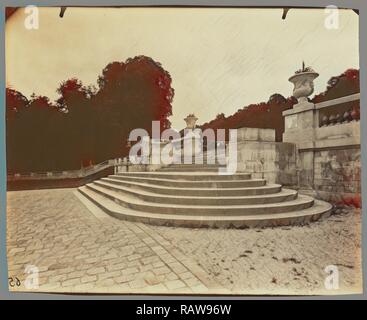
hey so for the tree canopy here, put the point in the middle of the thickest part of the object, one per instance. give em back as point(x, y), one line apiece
point(86, 124)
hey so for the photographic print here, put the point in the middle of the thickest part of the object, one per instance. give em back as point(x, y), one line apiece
point(183, 150)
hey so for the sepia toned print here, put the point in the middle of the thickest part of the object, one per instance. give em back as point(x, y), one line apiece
point(183, 150)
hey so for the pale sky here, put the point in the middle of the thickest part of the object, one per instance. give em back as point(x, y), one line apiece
point(219, 59)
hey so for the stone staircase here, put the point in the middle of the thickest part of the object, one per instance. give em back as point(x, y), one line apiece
point(195, 195)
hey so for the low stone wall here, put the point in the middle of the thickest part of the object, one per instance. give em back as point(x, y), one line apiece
point(329, 168)
point(136, 167)
point(259, 154)
point(50, 182)
point(273, 161)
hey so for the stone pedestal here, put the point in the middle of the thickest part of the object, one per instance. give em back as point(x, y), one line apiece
point(192, 141)
point(299, 128)
point(192, 147)
point(300, 124)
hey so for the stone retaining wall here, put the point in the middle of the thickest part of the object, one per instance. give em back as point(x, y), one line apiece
point(337, 174)
point(50, 182)
point(273, 161)
point(328, 156)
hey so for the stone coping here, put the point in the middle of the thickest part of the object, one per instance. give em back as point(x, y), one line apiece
point(302, 107)
point(352, 97)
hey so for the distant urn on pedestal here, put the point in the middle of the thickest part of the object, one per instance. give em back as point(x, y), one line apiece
point(303, 83)
point(191, 121)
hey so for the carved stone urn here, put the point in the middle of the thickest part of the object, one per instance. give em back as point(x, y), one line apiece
point(303, 83)
point(192, 140)
point(191, 121)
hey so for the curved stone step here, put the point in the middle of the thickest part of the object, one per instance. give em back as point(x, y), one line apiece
point(284, 195)
point(192, 184)
point(198, 192)
point(184, 169)
point(197, 166)
point(187, 176)
point(319, 209)
point(210, 160)
point(302, 202)
point(190, 167)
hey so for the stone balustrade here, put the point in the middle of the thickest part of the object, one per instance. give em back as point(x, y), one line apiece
point(327, 140)
point(339, 117)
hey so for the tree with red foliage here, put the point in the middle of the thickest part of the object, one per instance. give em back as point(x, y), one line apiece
point(15, 102)
point(87, 125)
point(130, 96)
point(345, 84)
point(262, 115)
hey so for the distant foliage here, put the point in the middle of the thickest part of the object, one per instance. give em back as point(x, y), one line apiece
point(345, 84)
point(86, 125)
point(261, 115)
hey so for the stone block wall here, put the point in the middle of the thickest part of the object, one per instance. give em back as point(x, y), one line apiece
point(328, 154)
point(337, 174)
point(259, 154)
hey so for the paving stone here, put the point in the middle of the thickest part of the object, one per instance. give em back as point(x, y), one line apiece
point(186, 275)
point(108, 275)
point(136, 284)
point(158, 264)
point(56, 231)
point(88, 279)
point(174, 284)
point(199, 289)
point(125, 278)
point(92, 260)
point(97, 270)
point(116, 266)
point(161, 270)
point(109, 256)
point(50, 286)
point(134, 257)
point(85, 287)
point(171, 276)
point(14, 251)
point(71, 282)
point(192, 282)
point(130, 271)
point(75, 274)
point(157, 288)
point(57, 278)
point(105, 283)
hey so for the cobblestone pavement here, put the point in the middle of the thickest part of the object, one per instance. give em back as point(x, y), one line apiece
point(77, 248)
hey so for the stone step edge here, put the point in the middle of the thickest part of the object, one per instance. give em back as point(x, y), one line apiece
point(283, 192)
point(179, 189)
point(320, 208)
point(190, 173)
point(193, 183)
point(157, 180)
point(266, 186)
point(179, 170)
point(136, 201)
point(184, 174)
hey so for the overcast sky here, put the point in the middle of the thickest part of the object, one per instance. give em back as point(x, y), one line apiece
point(220, 59)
